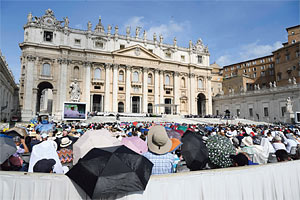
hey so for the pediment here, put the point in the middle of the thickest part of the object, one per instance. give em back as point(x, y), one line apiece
point(137, 51)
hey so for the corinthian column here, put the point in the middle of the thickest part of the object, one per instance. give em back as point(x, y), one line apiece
point(107, 107)
point(115, 88)
point(145, 89)
point(192, 94)
point(161, 90)
point(88, 85)
point(128, 89)
point(156, 91)
point(176, 91)
point(209, 97)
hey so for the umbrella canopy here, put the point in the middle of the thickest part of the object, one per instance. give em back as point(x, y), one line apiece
point(17, 131)
point(135, 144)
point(175, 144)
point(44, 127)
point(181, 132)
point(93, 139)
point(183, 128)
point(134, 123)
point(110, 171)
point(209, 128)
point(174, 134)
point(7, 147)
point(194, 151)
point(219, 150)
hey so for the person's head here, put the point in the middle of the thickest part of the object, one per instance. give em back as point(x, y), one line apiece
point(65, 133)
point(277, 139)
point(282, 155)
point(17, 140)
point(44, 166)
point(44, 136)
point(158, 140)
point(239, 160)
point(65, 142)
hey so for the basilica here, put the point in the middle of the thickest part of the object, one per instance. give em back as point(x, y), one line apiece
point(112, 72)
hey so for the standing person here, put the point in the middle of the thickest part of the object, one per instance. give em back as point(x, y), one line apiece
point(65, 153)
point(16, 159)
point(159, 146)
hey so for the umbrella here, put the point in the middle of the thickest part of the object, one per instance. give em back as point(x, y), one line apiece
point(93, 139)
point(174, 134)
point(181, 132)
point(209, 128)
point(44, 127)
point(7, 147)
point(219, 150)
point(194, 151)
point(135, 144)
point(134, 123)
point(175, 144)
point(139, 124)
point(183, 128)
point(104, 172)
point(17, 131)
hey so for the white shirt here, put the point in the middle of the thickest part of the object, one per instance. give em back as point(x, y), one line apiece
point(278, 146)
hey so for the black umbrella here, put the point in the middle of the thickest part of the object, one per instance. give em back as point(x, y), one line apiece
point(7, 147)
point(194, 151)
point(104, 172)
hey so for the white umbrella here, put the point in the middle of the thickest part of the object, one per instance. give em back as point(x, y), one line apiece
point(93, 139)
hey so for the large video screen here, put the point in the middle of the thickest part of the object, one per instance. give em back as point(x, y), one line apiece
point(74, 111)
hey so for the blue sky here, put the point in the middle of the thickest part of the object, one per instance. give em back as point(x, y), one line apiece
point(233, 30)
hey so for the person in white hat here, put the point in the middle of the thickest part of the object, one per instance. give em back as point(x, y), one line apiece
point(65, 152)
point(159, 145)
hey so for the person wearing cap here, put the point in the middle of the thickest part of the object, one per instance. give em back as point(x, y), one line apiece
point(158, 153)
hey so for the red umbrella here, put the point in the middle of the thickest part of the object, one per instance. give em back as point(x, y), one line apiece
point(134, 123)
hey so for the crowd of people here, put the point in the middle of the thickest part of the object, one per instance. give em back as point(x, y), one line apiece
point(221, 145)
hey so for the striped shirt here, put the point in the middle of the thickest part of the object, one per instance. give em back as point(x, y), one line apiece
point(163, 164)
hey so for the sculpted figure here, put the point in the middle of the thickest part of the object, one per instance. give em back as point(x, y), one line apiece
point(109, 29)
point(294, 81)
point(137, 31)
point(161, 38)
point(270, 84)
point(190, 44)
point(175, 41)
point(29, 17)
point(145, 35)
point(66, 22)
point(89, 26)
point(274, 84)
point(128, 30)
point(116, 30)
point(154, 37)
point(75, 91)
point(289, 106)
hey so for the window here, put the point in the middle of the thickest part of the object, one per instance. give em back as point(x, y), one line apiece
point(279, 76)
point(46, 70)
point(238, 112)
point(266, 112)
point(99, 44)
point(48, 36)
point(183, 82)
point(271, 66)
point(122, 46)
point(226, 69)
point(272, 72)
point(270, 59)
point(232, 68)
point(293, 41)
point(254, 69)
point(248, 64)
point(262, 67)
point(263, 73)
point(136, 89)
point(150, 79)
point(245, 71)
point(76, 72)
point(120, 107)
point(135, 77)
point(200, 83)
point(149, 90)
point(167, 81)
point(121, 88)
point(251, 112)
point(168, 55)
point(293, 33)
point(287, 57)
point(168, 92)
point(77, 41)
point(283, 110)
point(262, 61)
point(150, 108)
point(121, 76)
point(277, 60)
point(97, 74)
point(254, 63)
point(294, 67)
point(254, 75)
point(97, 87)
point(297, 54)
point(182, 58)
point(151, 50)
point(249, 70)
point(200, 59)
point(238, 66)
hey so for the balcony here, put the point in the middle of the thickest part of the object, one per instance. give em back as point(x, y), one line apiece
point(96, 81)
point(168, 87)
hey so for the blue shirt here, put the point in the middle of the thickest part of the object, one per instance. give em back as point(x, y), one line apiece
point(162, 164)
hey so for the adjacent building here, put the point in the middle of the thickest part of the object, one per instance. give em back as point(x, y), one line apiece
point(115, 73)
point(9, 106)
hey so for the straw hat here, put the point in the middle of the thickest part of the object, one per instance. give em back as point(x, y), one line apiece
point(158, 140)
point(248, 141)
point(65, 142)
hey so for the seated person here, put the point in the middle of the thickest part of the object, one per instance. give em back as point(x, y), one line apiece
point(277, 143)
point(282, 155)
point(44, 166)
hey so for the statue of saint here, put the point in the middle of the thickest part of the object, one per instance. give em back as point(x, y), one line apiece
point(274, 84)
point(109, 29)
point(66, 22)
point(154, 37)
point(289, 106)
point(75, 91)
point(175, 42)
point(270, 84)
point(137, 31)
point(290, 81)
point(161, 38)
point(116, 30)
point(258, 88)
point(190, 44)
point(294, 81)
point(128, 30)
point(29, 18)
point(89, 26)
point(145, 35)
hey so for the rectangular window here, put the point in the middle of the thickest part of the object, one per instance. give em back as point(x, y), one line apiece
point(168, 92)
point(297, 54)
point(263, 73)
point(238, 112)
point(283, 110)
point(182, 58)
point(272, 72)
point(251, 112)
point(279, 77)
point(271, 66)
point(48, 36)
point(122, 46)
point(121, 88)
point(245, 71)
point(262, 67)
point(151, 50)
point(254, 69)
point(254, 75)
point(262, 61)
point(77, 41)
point(149, 90)
point(96, 87)
point(232, 68)
point(238, 66)
point(287, 57)
point(168, 55)
point(226, 69)
point(254, 63)
point(200, 59)
point(99, 44)
point(266, 112)
point(277, 60)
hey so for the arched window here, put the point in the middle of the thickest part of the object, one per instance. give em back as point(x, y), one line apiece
point(97, 73)
point(76, 72)
point(167, 81)
point(150, 108)
point(183, 82)
point(121, 76)
point(120, 107)
point(150, 79)
point(200, 83)
point(135, 77)
point(46, 71)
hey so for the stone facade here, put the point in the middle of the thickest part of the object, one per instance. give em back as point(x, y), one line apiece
point(9, 106)
point(269, 105)
point(116, 73)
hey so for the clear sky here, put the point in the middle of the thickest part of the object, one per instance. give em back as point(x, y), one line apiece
point(233, 30)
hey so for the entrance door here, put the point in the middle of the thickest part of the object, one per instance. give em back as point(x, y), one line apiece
point(167, 108)
point(201, 104)
point(135, 104)
point(97, 103)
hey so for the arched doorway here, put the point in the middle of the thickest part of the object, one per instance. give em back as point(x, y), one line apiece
point(201, 104)
point(44, 101)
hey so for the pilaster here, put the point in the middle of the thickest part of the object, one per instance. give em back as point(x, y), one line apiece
point(128, 89)
point(88, 85)
point(145, 90)
point(115, 88)
point(161, 90)
point(156, 91)
point(107, 100)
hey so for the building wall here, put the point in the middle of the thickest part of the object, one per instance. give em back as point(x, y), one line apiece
point(97, 62)
point(8, 92)
point(274, 99)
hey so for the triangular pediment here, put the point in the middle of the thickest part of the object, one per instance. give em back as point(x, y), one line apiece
point(136, 51)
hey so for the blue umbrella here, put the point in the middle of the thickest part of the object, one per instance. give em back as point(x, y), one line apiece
point(209, 128)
